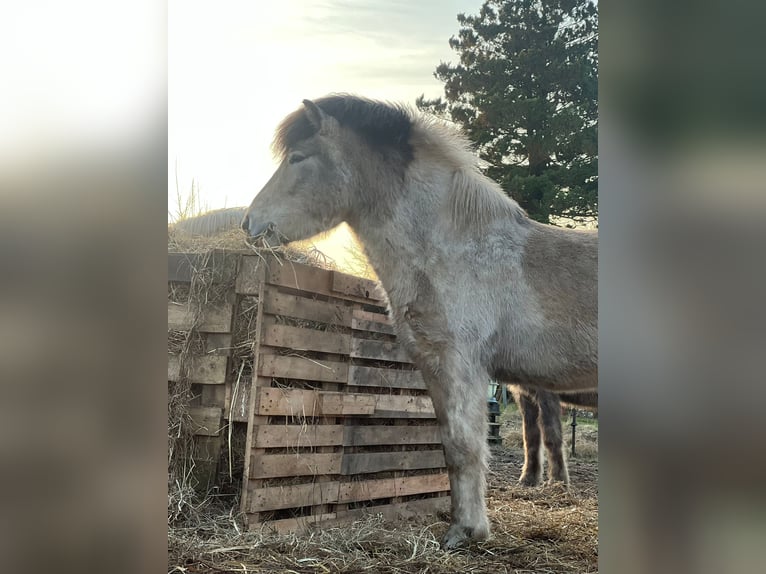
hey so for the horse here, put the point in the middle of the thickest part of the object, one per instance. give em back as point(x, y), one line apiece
point(541, 419)
point(477, 290)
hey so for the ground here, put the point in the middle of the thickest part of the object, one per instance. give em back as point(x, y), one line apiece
point(547, 529)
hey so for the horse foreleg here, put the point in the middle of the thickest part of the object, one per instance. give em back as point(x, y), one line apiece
point(532, 472)
point(550, 419)
point(461, 409)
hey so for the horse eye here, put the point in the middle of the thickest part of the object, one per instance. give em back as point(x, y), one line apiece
point(295, 158)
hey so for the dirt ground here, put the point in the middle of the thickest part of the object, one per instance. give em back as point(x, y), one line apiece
point(546, 529)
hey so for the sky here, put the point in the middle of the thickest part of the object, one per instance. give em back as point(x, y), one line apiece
point(236, 68)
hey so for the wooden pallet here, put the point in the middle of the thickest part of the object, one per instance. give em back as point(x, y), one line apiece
point(340, 422)
point(207, 368)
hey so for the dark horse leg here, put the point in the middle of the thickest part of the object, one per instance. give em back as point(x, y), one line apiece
point(550, 421)
point(532, 472)
point(541, 416)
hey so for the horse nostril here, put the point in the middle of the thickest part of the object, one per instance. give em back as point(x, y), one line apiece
point(246, 224)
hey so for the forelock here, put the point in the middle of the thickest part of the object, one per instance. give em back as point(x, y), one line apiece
point(384, 126)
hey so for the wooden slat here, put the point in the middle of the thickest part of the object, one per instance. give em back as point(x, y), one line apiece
point(394, 378)
point(309, 279)
point(282, 436)
point(287, 402)
point(252, 274)
point(362, 325)
point(205, 369)
point(301, 339)
point(303, 464)
point(295, 496)
point(405, 405)
point(303, 368)
point(378, 350)
point(375, 322)
point(356, 286)
point(206, 420)
point(213, 396)
point(393, 435)
point(298, 524)
point(214, 319)
point(218, 344)
point(206, 453)
point(332, 312)
point(363, 463)
point(402, 510)
point(363, 490)
point(219, 266)
point(346, 404)
point(300, 402)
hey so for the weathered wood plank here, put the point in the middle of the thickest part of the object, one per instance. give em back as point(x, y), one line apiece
point(310, 279)
point(218, 343)
point(301, 339)
point(358, 491)
point(220, 266)
point(404, 405)
point(346, 404)
point(206, 453)
point(308, 403)
point(332, 312)
point(398, 511)
point(214, 318)
point(303, 464)
point(376, 377)
point(393, 435)
point(356, 286)
point(213, 396)
point(206, 420)
point(303, 368)
point(402, 510)
point(364, 463)
point(294, 496)
point(282, 436)
point(378, 350)
point(252, 274)
point(287, 402)
point(204, 370)
point(298, 524)
point(372, 326)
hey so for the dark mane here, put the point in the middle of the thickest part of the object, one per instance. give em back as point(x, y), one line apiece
point(384, 126)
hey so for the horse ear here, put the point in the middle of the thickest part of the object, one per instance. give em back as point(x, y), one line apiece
point(314, 113)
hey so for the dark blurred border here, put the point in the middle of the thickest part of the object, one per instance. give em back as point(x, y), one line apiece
point(681, 287)
point(83, 205)
point(682, 282)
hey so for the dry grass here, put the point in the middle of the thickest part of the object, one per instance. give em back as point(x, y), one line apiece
point(544, 530)
point(547, 529)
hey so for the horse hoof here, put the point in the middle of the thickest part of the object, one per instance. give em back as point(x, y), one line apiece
point(529, 480)
point(456, 537)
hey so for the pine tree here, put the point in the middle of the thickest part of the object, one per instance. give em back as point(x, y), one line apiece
point(526, 93)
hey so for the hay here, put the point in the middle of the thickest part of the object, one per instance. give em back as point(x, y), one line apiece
point(544, 529)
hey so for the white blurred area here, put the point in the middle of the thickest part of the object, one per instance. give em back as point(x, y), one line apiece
point(75, 79)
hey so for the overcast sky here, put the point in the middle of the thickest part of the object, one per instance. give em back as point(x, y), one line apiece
point(236, 68)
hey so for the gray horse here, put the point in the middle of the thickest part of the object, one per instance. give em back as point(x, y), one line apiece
point(477, 290)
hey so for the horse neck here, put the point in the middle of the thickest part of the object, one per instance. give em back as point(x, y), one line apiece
point(400, 233)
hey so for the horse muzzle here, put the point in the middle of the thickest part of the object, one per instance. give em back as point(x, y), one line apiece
point(264, 230)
